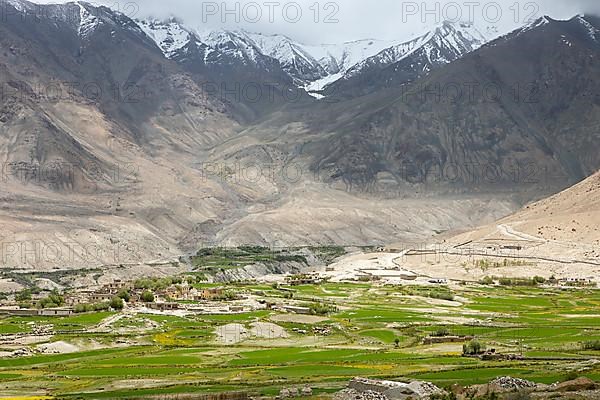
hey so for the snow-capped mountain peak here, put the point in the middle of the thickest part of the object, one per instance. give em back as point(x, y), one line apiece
point(232, 45)
point(169, 35)
point(312, 67)
point(341, 57)
point(293, 57)
point(439, 45)
point(455, 39)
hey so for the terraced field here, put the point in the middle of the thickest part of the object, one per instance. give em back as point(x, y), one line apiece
point(377, 331)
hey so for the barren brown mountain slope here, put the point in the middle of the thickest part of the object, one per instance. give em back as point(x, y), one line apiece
point(572, 215)
point(520, 112)
point(104, 148)
point(135, 163)
point(558, 236)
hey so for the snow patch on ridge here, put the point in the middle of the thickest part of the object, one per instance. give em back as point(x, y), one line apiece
point(535, 24)
point(87, 22)
point(591, 29)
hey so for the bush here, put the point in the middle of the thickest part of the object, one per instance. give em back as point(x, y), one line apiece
point(148, 296)
point(442, 295)
point(24, 295)
point(83, 308)
point(474, 347)
point(124, 295)
point(117, 303)
point(571, 375)
point(101, 306)
point(227, 295)
point(488, 280)
point(177, 280)
point(441, 332)
point(321, 309)
point(592, 345)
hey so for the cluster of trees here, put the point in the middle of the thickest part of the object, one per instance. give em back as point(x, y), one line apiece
point(116, 303)
point(24, 295)
point(473, 348)
point(226, 295)
point(51, 301)
point(157, 283)
point(195, 279)
point(148, 296)
point(536, 280)
point(124, 295)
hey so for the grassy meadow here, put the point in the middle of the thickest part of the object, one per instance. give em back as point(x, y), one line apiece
point(377, 331)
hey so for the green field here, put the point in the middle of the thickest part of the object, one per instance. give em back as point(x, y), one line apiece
point(145, 355)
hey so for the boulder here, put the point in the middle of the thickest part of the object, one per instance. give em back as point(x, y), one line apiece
point(575, 385)
point(393, 390)
point(510, 383)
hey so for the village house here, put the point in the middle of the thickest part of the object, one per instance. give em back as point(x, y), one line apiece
point(172, 293)
point(79, 297)
point(178, 292)
point(209, 294)
point(116, 286)
point(101, 297)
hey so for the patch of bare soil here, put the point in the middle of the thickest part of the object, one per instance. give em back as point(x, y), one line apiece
point(232, 333)
point(267, 330)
